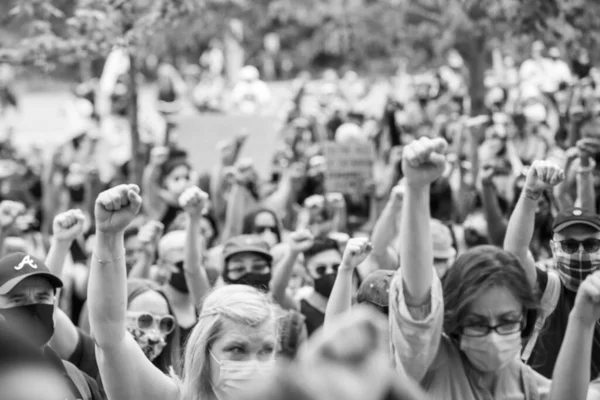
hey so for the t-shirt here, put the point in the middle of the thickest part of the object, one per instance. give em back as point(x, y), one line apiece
point(84, 356)
point(95, 391)
point(314, 317)
point(545, 353)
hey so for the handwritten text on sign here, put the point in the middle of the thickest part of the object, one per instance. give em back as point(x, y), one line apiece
point(349, 167)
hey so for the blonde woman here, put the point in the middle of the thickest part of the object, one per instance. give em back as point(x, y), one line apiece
point(232, 346)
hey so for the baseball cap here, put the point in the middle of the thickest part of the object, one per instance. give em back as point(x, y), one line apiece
point(442, 240)
point(576, 216)
point(17, 267)
point(375, 289)
point(246, 244)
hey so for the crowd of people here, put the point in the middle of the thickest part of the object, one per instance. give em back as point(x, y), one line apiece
point(466, 267)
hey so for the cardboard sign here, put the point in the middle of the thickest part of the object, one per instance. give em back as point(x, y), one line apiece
point(349, 167)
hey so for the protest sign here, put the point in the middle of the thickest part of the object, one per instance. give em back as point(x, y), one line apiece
point(349, 167)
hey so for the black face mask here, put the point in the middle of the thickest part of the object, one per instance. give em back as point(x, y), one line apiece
point(177, 280)
point(257, 281)
point(34, 321)
point(77, 193)
point(324, 284)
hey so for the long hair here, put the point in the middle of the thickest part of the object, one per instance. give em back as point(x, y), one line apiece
point(171, 354)
point(248, 224)
point(475, 272)
point(238, 303)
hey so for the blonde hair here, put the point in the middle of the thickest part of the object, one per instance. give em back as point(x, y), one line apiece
point(237, 303)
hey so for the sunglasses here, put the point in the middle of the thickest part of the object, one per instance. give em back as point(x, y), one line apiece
point(146, 321)
point(262, 229)
point(323, 268)
point(571, 246)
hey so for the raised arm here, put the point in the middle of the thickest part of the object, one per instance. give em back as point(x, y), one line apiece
point(340, 300)
point(491, 206)
point(423, 163)
point(126, 372)
point(541, 176)
point(194, 202)
point(571, 375)
point(149, 235)
point(385, 231)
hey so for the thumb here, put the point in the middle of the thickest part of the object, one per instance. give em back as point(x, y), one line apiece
point(439, 145)
point(135, 200)
point(437, 159)
point(132, 187)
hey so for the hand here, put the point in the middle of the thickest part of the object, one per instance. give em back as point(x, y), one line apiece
point(542, 175)
point(116, 208)
point(9, 212)
point(301, 240)
point(397, 194)
point(149, 235)
point(572, 153)
point(159, 155)
point(67, 226)
point(355, 253)
point(487, 174)
point(336, 201)
point(314, 201)
point(194, 202)
point(423, 161)
point(587, 302)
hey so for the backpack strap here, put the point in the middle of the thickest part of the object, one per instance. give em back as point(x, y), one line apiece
point(78, 380)
point(549, 302)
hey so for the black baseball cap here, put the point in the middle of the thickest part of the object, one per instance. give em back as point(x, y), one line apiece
point(576, 216)
point(16, 267)
point(375, 289)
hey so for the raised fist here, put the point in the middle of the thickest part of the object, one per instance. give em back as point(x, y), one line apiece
point(9, 212)
point(67, 226)
point(301, 240)
point(159, 155)
point(116, 208)
point(423, 161)
point(336, 201)
point(150, 234)
point(487, 174)
point(193, 201)
point(357, 250)
point(587, 303)
point(542, 175)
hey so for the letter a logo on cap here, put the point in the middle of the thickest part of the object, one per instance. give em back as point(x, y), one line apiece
point(27, 260)
point(577, 213)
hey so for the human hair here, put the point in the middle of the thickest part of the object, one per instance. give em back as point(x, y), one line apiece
point(171, 354)
point(170, 166)
point(476, 271)
point(248, 224)
point(321, 245)
point(238, 303)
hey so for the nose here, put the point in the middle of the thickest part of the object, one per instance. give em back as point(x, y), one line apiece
point(153, 338)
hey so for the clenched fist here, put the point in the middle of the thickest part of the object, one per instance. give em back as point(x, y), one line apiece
point(67, 226)
point(542, 175)
point(116, 208)
point(423, 161)
point(9, 212)
point(149, 235)
point(357, 250)
point(193, 201)
point(301, 241)
point(587, 303)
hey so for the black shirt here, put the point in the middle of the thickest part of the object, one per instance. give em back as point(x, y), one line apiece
point(84, 356)
point(545, 352)
point(314, 317)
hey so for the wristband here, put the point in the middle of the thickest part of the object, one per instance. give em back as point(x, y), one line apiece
point(108, 261)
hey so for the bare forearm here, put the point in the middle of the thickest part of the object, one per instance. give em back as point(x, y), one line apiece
point(340, 300)
point(194, 270)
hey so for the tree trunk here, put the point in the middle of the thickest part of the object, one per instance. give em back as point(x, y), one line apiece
point(136, 165)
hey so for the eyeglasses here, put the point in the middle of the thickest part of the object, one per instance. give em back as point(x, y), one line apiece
point(571, 246)
point(145, 321)
point(505, 328)
point(262, 229)
point(322, 269)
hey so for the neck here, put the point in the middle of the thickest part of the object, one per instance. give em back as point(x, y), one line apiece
point(177, 298)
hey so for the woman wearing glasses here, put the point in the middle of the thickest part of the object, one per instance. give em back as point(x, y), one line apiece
point(151, 322)
point(461, 339)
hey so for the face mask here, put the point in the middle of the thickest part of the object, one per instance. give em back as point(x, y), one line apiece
point(151, 345)
point(177, 280)
point(324, 284)
point(492, 352)
point(236, 377)
point(257, 281)
point(77, 193)
point(34, 321)
point(574, 268)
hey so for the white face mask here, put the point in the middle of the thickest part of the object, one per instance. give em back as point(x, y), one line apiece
point(235, 377)
point(491, 352)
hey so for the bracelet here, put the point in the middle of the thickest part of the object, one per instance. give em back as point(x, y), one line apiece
point(585, 170)
point(108, 261)
point(532, 194)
